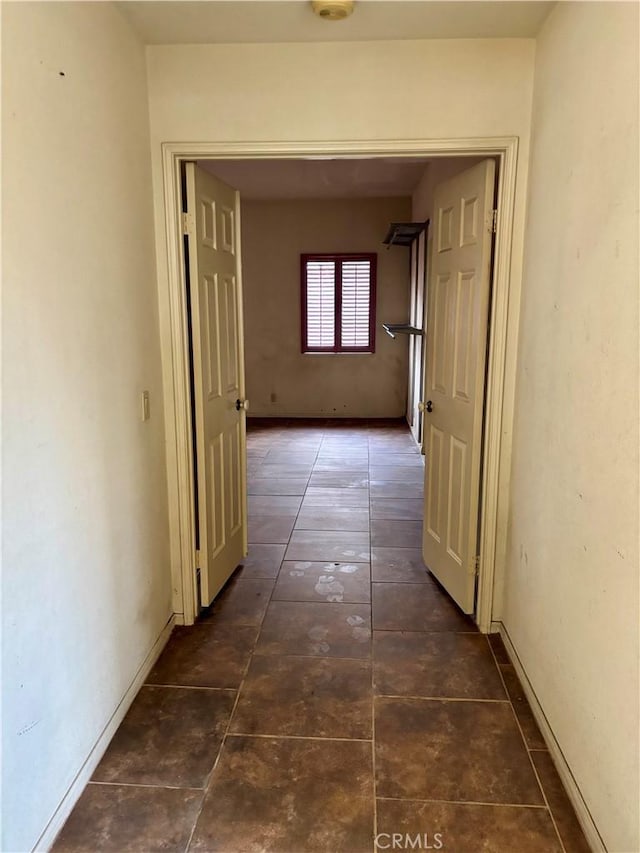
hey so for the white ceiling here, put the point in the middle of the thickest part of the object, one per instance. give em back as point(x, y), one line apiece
point(233, 21)
point(290, 179)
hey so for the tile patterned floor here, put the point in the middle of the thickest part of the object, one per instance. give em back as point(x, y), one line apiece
point(333, 690)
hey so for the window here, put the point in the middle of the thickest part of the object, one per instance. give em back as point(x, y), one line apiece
point(338, 302)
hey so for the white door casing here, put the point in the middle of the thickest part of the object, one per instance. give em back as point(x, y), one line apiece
point(416, 342)
point(458, 310)
point(502, 339)
point(215, 286)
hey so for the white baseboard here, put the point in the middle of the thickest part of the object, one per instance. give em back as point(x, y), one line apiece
point(86, 771)
point(571, 786)
point(325, 416)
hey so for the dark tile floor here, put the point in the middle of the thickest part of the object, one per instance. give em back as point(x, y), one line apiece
point(282, 722)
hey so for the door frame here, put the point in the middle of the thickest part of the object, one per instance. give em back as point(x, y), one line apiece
point(174, 342)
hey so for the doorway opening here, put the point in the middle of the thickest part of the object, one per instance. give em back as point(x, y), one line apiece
point(506, 160)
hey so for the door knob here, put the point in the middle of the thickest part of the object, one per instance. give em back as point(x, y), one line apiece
point(242, 404)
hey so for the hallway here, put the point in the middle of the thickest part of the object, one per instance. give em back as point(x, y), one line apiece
point(281, 722)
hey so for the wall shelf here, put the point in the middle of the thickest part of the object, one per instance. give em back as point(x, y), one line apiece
point(404, 233)
point(393, 329)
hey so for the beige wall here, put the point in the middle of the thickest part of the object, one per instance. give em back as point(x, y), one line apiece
point(450, 88)
point(571, 597)
point(274, 235)
point(86, 583)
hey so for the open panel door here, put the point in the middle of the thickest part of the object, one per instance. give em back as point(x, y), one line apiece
point(213, 232)
point(458, 308)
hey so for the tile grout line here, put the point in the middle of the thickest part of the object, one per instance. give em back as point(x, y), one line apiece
point(528, 751)
point(146, 785)
point(373, 706)
point(443, 631)
point(373, 693)
point(315, 657)
point(190, 686)
point(310, 656)
point(221, 747)
point(414, 698)
point(412, 583)
point(465, 803)
point(370, 644)
point(300, 737)
point(544, 796)
point(250, 657)
point(313, 601)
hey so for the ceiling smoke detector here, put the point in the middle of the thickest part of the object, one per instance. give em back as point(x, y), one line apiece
point(333, 10)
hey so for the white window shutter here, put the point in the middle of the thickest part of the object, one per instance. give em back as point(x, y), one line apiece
point(356, 303)
point(320, 295)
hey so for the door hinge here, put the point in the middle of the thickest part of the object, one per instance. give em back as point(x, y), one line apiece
point(188, 223)
point(198, 592)
point(494, 221)
point(476, 565)
point(198, 563)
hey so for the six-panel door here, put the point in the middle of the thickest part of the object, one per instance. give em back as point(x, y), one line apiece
point(216, 302)
point(458, 305)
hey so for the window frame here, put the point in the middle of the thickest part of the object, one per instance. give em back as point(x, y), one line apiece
point(338, 258)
